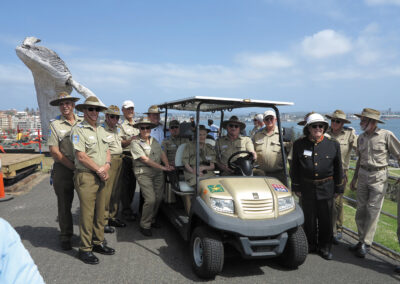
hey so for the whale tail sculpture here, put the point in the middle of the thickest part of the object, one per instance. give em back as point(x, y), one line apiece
point(51, 76)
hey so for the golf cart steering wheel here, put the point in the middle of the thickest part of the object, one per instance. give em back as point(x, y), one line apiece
point(249, 156)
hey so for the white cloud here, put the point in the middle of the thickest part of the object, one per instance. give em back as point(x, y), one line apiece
point(382, 2)
point(326, 43)
point(264, 60)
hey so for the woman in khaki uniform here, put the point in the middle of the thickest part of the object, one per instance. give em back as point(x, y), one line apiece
point(207, 158)
point(147, 153)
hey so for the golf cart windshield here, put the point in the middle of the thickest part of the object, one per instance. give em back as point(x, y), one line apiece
point(213, 104)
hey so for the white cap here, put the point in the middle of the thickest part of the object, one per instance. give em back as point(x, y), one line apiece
point(315, 117)
point(128, 104)
point(259, 117)
point(269, 113)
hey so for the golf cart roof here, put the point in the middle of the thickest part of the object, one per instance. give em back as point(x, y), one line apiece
point(217, 104)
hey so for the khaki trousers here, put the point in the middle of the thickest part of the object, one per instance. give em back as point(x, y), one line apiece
point(371, 191)
point(151, 184)
point(337, 214)
point(112, 189)
point(91, 194)
point(63, 183)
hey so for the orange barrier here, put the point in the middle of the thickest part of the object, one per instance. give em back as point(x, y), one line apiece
point(3, 196)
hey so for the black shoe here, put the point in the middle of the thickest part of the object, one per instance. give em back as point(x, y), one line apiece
point(326, 254)
point(66, 245)
point(146, 232)
point(397, 269)
point(103, 249)
point(109, 230)
point(88, 257)
point(355, 247)
point(116, 223)
point(363, 250)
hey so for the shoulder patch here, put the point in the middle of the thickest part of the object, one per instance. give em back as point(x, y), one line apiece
point(75, 138)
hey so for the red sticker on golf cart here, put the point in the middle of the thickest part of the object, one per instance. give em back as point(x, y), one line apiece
point(279, 187)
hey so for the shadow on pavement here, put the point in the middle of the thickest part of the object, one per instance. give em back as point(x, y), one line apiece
point(46, 237)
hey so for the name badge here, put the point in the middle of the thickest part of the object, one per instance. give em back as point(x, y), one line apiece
point(307, 153)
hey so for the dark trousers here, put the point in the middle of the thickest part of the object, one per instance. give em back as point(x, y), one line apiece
point(128, 184)
point(63, 183)
point(318, 222)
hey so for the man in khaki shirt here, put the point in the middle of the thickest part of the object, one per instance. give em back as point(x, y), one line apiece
point(92, 162)
point(128, 133)
point(60, 147)
point(171, 144)
point(268, 149)
point(374, 147)
point(232, 143)
point(347, 139)
point(113, 184)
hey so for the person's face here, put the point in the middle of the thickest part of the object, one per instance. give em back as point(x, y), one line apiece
point(337, 124)
point(316, 130)
point(128, 112)
point(112, 120)
point(255, 122)
point(367, 124)
point(91, 113)
point(145, 131)
point(174, 130)
point(154, 118)
point(233, 129)
point(66, 107)
point(270, 121)
point(202, 136)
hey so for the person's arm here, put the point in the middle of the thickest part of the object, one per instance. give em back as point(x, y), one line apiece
point(295, 170)
point(355, 176)
point(164, 159)
point(250, 148)
point(101, 171)
point(60, 157)
point(149, 162)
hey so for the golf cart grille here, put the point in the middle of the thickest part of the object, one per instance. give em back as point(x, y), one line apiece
point(258, 206)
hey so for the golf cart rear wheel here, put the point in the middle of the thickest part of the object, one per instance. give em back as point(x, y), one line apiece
point(207, 252)
point(296, 249)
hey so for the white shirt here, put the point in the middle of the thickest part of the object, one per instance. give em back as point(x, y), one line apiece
point(158, 133)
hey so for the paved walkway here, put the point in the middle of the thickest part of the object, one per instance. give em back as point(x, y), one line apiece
point(164, 258)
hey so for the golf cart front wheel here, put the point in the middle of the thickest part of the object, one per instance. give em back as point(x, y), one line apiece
point(207, 252)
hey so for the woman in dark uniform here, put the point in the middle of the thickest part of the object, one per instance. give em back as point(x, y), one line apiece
point(316, 173)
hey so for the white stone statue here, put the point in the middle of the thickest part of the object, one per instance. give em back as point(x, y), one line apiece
point(50, 75)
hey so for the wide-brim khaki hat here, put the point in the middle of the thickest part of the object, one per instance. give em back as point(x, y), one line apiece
point(153, 109)
point(63, 96)
point(144, 121)
point(338, 114)
point(113, 109)
point(91, 102)
point(370, 113)
point(233, 120)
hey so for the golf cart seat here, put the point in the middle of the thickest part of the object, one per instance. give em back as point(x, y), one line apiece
point(183, 186)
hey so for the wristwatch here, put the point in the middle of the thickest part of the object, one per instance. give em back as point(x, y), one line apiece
point(108, 163)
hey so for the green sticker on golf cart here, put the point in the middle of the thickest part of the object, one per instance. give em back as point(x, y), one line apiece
point(215, 188)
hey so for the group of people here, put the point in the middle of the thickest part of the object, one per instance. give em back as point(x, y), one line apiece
point(103, 163)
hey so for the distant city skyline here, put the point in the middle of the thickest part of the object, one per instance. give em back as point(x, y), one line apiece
point(321, 55)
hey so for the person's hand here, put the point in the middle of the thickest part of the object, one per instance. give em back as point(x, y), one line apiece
point(345, 180)
point(353, 184)
point(103, 173)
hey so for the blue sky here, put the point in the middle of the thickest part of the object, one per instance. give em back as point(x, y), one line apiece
point(321, 55)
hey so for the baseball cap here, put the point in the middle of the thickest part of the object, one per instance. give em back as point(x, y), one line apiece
point(128, 104)
point(269, 113)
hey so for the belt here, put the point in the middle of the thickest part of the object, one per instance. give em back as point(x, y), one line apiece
point(373, 169)
point(116, 155)
point(318, 181)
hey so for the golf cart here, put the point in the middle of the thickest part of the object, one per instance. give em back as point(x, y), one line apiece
point(257, 215)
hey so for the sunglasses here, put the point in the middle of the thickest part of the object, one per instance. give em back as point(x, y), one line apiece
point(269, 118)
point(112, 116)
point(97, 109)
point(145, 127)
point(174, 127)
point(336, 121)
point(233, 125)
point(317, 126)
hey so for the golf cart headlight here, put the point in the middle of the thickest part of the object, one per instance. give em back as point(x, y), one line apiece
point(285, 203)
point(222, 205)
